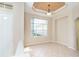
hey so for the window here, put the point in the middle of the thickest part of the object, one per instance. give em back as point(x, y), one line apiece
point(39, 27)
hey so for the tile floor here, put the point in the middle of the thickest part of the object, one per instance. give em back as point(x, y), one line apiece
point(50, 50)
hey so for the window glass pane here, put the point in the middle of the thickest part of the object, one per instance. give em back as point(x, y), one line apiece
point(39, 27)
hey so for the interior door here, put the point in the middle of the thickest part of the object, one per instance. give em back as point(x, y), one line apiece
point(77, 33)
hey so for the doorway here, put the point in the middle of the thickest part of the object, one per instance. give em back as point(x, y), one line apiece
point(77, 33)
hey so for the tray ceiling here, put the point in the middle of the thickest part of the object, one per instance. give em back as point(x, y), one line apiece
point(44, 5)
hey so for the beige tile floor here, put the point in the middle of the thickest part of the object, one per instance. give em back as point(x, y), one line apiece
point(50, 50)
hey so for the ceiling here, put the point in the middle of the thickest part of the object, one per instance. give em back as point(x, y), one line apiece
point(41, 7)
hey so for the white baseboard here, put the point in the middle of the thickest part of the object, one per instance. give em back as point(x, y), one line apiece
point(37, 44)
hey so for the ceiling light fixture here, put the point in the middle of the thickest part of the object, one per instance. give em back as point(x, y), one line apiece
point(49, 11)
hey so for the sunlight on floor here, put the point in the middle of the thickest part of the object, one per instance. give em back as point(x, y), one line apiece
point(27, 51)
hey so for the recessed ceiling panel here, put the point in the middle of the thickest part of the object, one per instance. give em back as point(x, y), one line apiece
point(44, 5)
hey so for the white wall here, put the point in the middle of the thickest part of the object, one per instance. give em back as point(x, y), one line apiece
point(64, 25)
point(29, 40)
